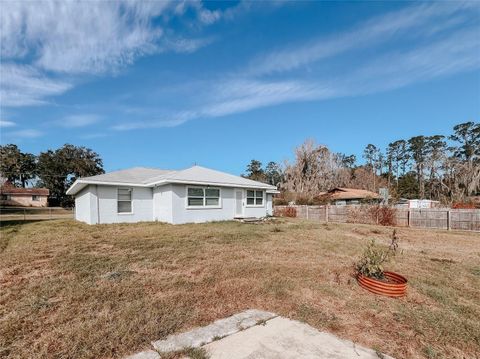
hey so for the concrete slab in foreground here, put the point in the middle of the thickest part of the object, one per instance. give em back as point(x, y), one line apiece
point(147, 354)
point(255, 334)
point(218, 329)
point(282, 338)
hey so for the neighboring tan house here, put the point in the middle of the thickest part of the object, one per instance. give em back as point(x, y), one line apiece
point(340, 196)
point(23, 197)
point(193, 195)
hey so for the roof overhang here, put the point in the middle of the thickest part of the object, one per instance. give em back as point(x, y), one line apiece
point(273, 191)
point(80, 184)
point(211, 183)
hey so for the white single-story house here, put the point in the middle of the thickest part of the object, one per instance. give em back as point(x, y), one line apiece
point(193, 195)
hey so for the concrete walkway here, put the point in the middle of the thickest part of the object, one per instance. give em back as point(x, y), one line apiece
point(282, 338)
point(255, 334)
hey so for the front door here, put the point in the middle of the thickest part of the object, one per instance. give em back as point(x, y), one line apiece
point(238, 203)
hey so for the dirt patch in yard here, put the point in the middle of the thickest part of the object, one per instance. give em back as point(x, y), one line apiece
point(70, 290)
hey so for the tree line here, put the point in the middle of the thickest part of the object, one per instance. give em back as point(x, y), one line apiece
point(438, 167)
point(52, 169)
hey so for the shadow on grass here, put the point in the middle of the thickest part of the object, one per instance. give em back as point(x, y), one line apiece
point(16, 222)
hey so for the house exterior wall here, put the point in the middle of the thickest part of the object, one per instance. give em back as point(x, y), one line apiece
point(256, 212)
point(162, 204)
point(182, 214)
point(24, 200)
point(166, 203)
point(98, 204)
point(83, 208)
point(269, 204)
point(142, 205)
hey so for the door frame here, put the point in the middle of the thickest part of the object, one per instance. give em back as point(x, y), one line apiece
point(242, 201)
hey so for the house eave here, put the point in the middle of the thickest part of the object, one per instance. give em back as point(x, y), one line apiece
point(78, 185)
point(213, 183)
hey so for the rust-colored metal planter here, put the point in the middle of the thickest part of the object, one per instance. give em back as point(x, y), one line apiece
point(395, 285)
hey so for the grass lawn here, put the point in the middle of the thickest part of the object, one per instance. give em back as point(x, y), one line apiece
point(69, 290)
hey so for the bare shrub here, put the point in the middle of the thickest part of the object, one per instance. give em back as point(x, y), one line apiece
point(301, 200)
point(290, 212)
point(463, 205)
point(374, 256)
point(280, 201)
point(285, 212)
point(385, 216)
point(360, 214)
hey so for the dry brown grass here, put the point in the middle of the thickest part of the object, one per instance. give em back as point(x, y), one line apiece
point(70, 290)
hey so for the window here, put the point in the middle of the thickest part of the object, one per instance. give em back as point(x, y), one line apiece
point(6, 197)
point(124, 200)
point(35, 197)
point(203, 197)
point(212, 196)
point(254, 198)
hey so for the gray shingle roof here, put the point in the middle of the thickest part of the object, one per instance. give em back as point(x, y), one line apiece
point(149, 177)
point(140, 175)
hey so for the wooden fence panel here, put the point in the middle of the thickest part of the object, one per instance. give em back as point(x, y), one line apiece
point(429, 218)
point(338, 214)
point(443, 218)
point(316, 213)
point(301, 211)
point(465, 219)
point(401, 217)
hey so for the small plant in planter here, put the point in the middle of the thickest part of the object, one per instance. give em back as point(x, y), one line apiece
point(371, 274)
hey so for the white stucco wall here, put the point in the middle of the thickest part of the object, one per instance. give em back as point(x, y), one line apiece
point(162, 204)
point(269, 204)
point(166, 203)
point(182, 214)
point(255, 211)
point(98, 204)
point(82, 205)
point(142, 205)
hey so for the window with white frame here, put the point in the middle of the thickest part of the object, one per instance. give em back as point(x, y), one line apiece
point(203, 197)
point(254, 198)
point(124, 200)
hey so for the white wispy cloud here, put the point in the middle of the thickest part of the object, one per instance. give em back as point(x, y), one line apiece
point(418, 43)
point(235, 96)
point(45, 44)
point(173, 120)
point(208, 17)
point(26, 133)
point(79, 36)
point(185, 45)
point(244, 95)
point(456, 53)
point(75, 121)
point(456, 50)
point(6, 123)
point(412, 22)
point(23, 85)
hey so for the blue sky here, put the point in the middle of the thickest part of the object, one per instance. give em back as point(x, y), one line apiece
point(168, 84)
